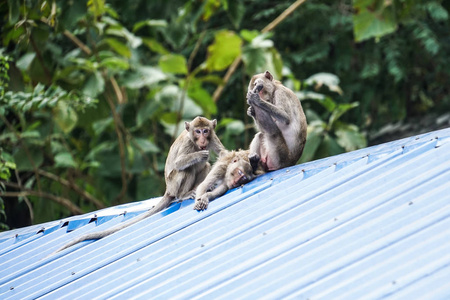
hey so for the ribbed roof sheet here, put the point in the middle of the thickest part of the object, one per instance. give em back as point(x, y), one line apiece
point(369, 224)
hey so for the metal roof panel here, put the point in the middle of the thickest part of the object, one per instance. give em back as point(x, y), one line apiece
point(372, 223)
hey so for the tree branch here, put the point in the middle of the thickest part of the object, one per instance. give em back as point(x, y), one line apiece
point(27, 201)
point(98, 204)
point(77, 42)
point(120, 140)
point(41, 60)
point(237, 61)
point(27, 192)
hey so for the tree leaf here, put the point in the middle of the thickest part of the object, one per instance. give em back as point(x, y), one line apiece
point(249, 35)
point(14, 11)
point(328, 147)
point(150, 23)
point(235, 127)
point(370, 21)
point(64, 160)
point(22, 161)
point(339, 111)
point(209, 8)
point(115, 63)
point(254, 60)
point(94, 85)
point(100, 126)
point(226, 47)
point(97, 7)
point(313, 140)
point(146, 145)
point(118, 47)
point(202, 97)
point(173, 63)
point(349, 138)
point(328, 79)
point(155, 46)
point(146, 111)
point(65, 116)
point(236, 11)
point(143, 76)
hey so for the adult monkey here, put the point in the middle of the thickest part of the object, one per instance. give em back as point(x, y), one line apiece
point(232, 169)
point(186, 167)
point(280, 119)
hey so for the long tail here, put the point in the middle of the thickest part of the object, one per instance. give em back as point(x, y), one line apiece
point(162, 204)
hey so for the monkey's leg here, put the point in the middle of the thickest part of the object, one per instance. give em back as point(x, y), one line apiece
point(255, 145)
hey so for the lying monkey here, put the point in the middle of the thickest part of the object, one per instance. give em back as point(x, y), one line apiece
point(279, 117)
point(186, 167)
point(232, 169)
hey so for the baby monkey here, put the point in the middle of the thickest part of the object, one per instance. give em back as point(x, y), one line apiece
point(232, 169)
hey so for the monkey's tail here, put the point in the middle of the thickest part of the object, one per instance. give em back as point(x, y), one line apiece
point(162, 204)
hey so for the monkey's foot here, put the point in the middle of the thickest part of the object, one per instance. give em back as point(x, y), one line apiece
point(201, 203)
point(254, 161)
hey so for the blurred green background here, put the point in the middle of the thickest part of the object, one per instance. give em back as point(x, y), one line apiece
point(94, 92)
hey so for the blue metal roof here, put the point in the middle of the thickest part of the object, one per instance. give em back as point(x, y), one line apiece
point(373, 223)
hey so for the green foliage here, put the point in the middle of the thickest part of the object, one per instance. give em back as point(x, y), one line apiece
point(327, 133)
point(93, 92)
point(7, 165)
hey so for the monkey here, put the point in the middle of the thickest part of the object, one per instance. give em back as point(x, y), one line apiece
point(233, 168)
point(280, 119)
point(186, 167)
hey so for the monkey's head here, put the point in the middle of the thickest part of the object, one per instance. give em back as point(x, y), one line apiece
point(239, 170)
point(200, 131)
point(268, 85)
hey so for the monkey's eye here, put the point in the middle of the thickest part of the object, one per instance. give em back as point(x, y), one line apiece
point(205, 131)
point(198, 131)
point(235, 160)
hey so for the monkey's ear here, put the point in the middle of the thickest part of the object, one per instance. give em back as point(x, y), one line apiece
point(268, 75)
point(214, 123)
point(186, 125)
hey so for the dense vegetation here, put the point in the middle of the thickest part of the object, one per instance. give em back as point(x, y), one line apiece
point(92, 93)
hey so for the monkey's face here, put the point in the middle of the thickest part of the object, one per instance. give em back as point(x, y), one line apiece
point(201, 137)
point(239, 172)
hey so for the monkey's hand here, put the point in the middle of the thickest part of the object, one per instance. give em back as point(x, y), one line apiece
point(203, 155)
point(201, 203)
point(253, 98)
point(251, 111)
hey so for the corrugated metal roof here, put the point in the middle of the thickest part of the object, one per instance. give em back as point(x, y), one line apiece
point(373, 223)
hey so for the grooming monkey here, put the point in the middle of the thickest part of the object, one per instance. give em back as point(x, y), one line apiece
point(279, 117)
point(233, 168)
point(186, 167)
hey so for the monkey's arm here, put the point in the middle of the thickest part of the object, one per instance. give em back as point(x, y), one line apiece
point(185, 161)
point(202, 202)
point(215, 176)
point(264, 118)
point(255, 101)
